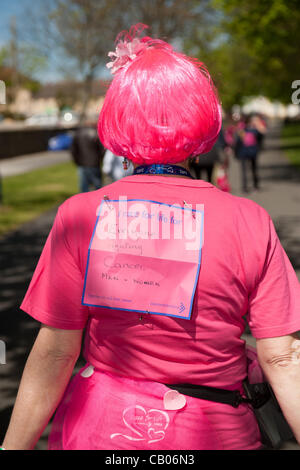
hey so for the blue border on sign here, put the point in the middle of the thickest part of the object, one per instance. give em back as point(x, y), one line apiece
point(146, 311)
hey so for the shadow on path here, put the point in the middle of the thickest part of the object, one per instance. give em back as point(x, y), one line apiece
point(274, 165)
point(19, 254)
point(279, 172)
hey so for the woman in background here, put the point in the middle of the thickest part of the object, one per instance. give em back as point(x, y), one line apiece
point(248, 144)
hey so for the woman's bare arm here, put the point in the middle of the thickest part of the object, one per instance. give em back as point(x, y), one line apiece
point(280, 360)
point(45, 377)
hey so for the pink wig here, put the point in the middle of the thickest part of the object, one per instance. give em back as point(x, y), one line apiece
point(161, 106)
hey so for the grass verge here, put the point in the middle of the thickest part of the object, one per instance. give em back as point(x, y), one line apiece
point(290, 142)
point(27, 196)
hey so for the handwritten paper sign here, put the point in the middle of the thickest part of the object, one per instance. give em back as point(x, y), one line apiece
point(144, 256)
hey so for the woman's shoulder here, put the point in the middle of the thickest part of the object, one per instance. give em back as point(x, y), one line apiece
point(82, 204)
point(77, 203)
point(245, 206)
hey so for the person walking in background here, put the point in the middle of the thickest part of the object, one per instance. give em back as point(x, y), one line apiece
point(261, 125)
point(113, 168)
point(87, 153)
point(207, 162)
point(247, 146)
point(204, 163)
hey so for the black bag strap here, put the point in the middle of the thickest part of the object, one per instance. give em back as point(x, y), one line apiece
point(273, 426)
point(219, 395)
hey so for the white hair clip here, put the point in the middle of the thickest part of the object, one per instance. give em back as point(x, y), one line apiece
point(125, 52)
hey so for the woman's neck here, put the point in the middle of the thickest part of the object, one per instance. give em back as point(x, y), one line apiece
point(184, 164)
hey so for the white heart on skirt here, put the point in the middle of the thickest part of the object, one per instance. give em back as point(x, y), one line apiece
point(173, 400)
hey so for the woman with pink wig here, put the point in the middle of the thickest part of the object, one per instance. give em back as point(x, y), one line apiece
point(163, 318)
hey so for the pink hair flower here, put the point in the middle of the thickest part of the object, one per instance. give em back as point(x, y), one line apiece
point(125, 52)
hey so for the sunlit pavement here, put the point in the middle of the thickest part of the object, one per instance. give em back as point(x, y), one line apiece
point(24, 164)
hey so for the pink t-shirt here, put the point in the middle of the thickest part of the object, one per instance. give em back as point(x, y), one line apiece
point(244, 271)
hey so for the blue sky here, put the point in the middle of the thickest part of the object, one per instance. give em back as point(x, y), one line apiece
point(9, 8)
point(16, 8)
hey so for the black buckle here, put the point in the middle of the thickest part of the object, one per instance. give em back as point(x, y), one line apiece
point(257, 394)
point(238, 399)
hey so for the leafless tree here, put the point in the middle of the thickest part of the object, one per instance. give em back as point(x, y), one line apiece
point(81, 32)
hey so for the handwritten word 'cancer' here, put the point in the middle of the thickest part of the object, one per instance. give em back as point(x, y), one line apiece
point(110, 263)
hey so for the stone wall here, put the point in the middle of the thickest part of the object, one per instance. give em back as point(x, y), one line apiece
point(15, 142)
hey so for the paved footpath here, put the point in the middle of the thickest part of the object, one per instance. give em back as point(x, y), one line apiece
point(19, 253)
point(24, 164)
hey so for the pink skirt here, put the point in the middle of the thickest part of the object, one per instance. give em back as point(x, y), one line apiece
point(102, 411)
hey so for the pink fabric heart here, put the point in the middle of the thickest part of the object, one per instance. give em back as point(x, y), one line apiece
point(173, 400)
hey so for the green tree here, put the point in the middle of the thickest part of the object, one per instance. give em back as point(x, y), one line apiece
point(3, 56)
point(19, 63)
point(270, 32)
point(232, 69)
